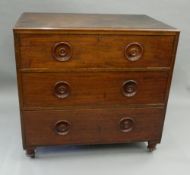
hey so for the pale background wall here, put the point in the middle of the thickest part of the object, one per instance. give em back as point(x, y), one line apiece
point(172, 156)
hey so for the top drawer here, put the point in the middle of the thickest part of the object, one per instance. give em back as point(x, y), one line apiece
point(95, 51)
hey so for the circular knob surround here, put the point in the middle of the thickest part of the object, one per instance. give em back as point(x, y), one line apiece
point(62, 127)
point(126, 124)
point(134, 51)
point(129, 88)
point(62, 51)
point(62, 89)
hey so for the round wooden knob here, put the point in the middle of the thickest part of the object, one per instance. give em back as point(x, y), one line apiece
point(126, 124)
point(62, 89)
point(62, 127)
point(134, 51)
point(129, 88)
point(62, 51)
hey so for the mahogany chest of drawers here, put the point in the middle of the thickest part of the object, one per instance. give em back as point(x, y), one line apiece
point(92, 79)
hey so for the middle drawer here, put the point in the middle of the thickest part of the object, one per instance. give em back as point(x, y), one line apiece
point(93, 88)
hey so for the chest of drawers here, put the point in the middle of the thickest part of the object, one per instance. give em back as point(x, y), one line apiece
point(92, 79)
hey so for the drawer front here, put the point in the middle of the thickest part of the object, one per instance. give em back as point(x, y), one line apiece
point(92, 126)
point(93, 88)
point(95, 51)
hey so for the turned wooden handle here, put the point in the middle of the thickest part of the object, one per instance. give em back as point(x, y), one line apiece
point(61, 89)
point(62, 51)
point(62, 127)
point(134, 51)
point(129, 88)
point(126, 124)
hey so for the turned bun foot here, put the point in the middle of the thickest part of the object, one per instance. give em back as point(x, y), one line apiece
point(151, 145)
point(30, 152)
point(151, 149)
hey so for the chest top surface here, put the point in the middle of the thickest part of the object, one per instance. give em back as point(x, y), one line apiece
point(68, 21)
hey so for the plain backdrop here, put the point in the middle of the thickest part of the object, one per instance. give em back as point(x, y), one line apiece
point(172, 156)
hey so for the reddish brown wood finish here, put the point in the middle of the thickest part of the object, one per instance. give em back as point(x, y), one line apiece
point(93, 79)
point(88, 22)
point(89, 126)
point(97, 88)
point(95, 51)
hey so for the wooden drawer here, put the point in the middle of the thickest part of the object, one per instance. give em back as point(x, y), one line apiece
point(95, 51)
point(101, 126)
point(93, 88)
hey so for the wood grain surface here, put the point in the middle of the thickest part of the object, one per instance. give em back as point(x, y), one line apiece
point(93, 88)
point(92, 126)
point(95, 51)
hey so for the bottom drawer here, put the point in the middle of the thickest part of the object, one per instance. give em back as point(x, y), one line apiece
point(88, 126)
